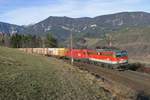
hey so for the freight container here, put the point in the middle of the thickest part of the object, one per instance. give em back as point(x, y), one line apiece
point(41, 51)
point(29, 50)
point(22, 49)
point(60, 52)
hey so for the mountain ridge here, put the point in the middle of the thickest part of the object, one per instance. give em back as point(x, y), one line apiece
point(110, 20)
point(61, 27)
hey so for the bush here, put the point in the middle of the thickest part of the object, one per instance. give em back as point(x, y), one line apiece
point(135, 66)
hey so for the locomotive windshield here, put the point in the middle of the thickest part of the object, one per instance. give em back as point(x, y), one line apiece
point(121, 54)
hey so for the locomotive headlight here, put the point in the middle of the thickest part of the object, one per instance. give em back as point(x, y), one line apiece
point(108, 59)
point(122, 61)
point(79, 54)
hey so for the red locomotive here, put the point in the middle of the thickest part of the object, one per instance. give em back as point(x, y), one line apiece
point(105, 57)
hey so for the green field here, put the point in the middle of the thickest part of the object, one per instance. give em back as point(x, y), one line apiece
point(32, 77)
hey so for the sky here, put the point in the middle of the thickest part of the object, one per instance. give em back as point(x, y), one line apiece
point(25, 12)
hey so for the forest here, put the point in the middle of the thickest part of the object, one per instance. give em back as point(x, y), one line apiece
point(27, 41)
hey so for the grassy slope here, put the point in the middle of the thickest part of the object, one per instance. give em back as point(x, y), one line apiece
point(28, 77)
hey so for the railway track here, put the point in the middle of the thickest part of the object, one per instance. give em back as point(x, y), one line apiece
point(139, 82)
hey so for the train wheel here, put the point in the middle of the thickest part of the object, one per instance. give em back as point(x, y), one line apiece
point(103, 65)
point(109, 66)
point(115, 66)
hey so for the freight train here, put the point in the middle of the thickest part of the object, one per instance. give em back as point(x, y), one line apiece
point(111, 58)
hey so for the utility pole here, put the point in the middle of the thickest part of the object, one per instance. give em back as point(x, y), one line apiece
point(108, 39)
point(71, 47)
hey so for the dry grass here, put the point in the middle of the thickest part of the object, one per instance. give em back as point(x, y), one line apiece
point(33, 77)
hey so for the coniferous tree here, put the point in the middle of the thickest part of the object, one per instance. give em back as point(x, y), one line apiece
point(16, 40)
point(50, 41)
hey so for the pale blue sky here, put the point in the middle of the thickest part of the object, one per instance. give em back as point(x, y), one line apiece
point(24, 12)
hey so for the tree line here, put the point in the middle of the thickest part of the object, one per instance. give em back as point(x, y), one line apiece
point(27, 41)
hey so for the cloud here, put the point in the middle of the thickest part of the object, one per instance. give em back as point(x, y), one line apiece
point(71, 8)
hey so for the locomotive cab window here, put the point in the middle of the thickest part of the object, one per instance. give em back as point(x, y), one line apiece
point(121, 54)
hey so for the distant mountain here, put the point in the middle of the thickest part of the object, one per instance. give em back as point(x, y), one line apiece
point(10, 28)
point(89, 27)
point(61, 27)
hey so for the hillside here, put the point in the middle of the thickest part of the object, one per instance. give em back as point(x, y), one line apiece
point(134, 39)
point(33, 77)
